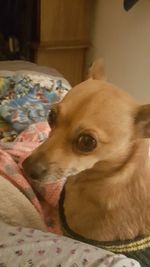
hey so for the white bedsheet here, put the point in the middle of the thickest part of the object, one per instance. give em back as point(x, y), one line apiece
point(20, 247)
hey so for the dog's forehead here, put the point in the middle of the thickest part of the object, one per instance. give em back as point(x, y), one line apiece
point(96, 105)
point(85, 89)
point(97, 93)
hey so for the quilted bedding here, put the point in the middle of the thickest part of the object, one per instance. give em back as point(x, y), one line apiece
point(25, 98)
point(11, 156)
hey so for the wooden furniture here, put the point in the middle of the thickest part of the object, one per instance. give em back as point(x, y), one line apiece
point(64, 36)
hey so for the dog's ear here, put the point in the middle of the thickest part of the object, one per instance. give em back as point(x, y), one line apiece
point(142, 121)
point(96, 71)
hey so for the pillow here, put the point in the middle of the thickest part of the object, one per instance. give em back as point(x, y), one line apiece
point(26, 96)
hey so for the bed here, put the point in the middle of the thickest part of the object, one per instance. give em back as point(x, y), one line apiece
point(26, 93)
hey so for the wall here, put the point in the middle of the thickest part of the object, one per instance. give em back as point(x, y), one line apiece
point(123, 40)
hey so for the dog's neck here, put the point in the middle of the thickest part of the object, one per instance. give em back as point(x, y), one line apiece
point(113, 190)
point(132, 171)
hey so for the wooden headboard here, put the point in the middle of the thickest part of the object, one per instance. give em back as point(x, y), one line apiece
point(64, 28)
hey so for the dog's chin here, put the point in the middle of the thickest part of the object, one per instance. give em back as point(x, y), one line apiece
point(51, 179)
point(46, 180)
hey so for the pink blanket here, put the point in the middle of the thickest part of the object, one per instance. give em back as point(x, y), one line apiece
point(11, 157)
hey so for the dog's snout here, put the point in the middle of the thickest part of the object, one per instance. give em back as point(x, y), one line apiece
point(37, 172)
point(34, 169)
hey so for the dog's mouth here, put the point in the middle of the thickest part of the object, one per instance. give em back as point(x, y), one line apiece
point(56, 176)
point(39, 174)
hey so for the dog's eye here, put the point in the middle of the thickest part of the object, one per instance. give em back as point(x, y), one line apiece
point(86, 143)
point(52, 117)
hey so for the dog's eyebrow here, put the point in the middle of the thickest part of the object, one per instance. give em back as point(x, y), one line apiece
point(83, 129)
point(80, 129)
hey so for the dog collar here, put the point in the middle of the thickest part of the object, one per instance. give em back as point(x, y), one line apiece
point(138, 249)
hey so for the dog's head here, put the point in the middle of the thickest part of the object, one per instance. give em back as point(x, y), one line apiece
point(94, 127)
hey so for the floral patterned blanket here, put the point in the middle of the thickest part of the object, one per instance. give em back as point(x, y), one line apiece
point(25, 98)
point(11, 156)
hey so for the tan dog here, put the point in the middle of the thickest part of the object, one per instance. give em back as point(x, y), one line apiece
point(99, 140)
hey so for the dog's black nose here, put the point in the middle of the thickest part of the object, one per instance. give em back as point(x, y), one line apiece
point(34, 169)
